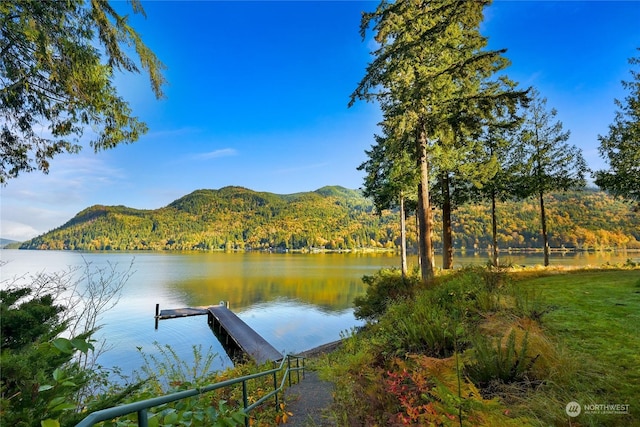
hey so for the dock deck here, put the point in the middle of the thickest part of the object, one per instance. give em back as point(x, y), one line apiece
point(249, 342)
point(182, 312)
point(238, 338)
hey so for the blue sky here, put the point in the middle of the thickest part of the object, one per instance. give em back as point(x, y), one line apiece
point(258, 94)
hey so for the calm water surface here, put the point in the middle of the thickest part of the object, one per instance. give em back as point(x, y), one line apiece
point(295, 301)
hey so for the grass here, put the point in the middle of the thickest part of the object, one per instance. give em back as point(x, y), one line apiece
point(595, 316)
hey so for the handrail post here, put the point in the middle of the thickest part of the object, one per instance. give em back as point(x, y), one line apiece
point(275, 386)
point(298, 370)
point(143, 421)
point(289, 369)
point(245, 401)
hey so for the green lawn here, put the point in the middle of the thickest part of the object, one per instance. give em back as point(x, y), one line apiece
point(595, 316)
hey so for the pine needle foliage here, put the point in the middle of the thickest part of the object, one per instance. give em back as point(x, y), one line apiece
point(55, 84)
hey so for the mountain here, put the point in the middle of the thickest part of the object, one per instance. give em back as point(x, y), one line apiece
point(6, 242)
point(230, 218)
point(335, 218)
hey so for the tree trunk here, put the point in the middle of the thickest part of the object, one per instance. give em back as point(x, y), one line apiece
point(545, 238)
point(424, 209)
point(494, 230)
point(417, 217)
point(447, 240)
point(403, 237)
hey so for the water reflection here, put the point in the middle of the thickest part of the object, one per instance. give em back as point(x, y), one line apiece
point(329, 295)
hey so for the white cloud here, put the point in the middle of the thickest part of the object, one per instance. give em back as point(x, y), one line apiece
point(225, 152)
point(70, 180)
point(35, 203)
point(17, 231)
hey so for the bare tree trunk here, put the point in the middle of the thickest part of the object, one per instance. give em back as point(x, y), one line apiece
point(545, 238)
point(494, 230)
point(403, 237)
point(427, 264)
point(447, 240)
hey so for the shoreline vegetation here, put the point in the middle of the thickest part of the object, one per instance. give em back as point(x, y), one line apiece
point(314, 250)
point(490, 347)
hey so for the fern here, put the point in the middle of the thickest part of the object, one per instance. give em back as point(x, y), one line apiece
point(508, 363)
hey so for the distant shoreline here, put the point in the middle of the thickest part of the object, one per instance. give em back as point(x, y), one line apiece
point(357, 250)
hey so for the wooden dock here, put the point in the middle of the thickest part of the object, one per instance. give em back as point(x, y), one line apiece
point(236, 333)
point(181, 312)
point(238, 339)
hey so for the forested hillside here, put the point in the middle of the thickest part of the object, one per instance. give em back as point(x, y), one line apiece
point(6, 242)
point(335, 218)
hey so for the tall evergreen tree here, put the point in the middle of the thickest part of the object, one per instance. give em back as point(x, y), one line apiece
point(430, 65)
point(621, 147)
point(549, 162)
point(499, 188)
point(53, 77)
point(499, 140)
point(461, 167)
point(390, 180)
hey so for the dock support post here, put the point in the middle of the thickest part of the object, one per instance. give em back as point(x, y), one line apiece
point(157, 314)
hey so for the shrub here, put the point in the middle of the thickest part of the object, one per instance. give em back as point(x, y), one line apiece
point(385, 287)
point(46, 378)
point(434, 321)
point(419, 326)
point(409, 366)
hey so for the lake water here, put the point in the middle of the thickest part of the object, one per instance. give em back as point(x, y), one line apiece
point(295, 301)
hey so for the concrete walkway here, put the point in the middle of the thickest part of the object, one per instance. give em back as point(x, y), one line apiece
point(310, 402)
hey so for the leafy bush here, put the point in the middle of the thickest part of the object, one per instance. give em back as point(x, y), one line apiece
point(385, 287)
point(469, 291)
point(419, 326)
point(435, 320)
point(164, 372)
point(505, 368)
point(406, 368)
point(27, 318)
point(429, 391)
point(47, 378)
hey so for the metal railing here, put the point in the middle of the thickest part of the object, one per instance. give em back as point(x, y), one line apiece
point(142, 406)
